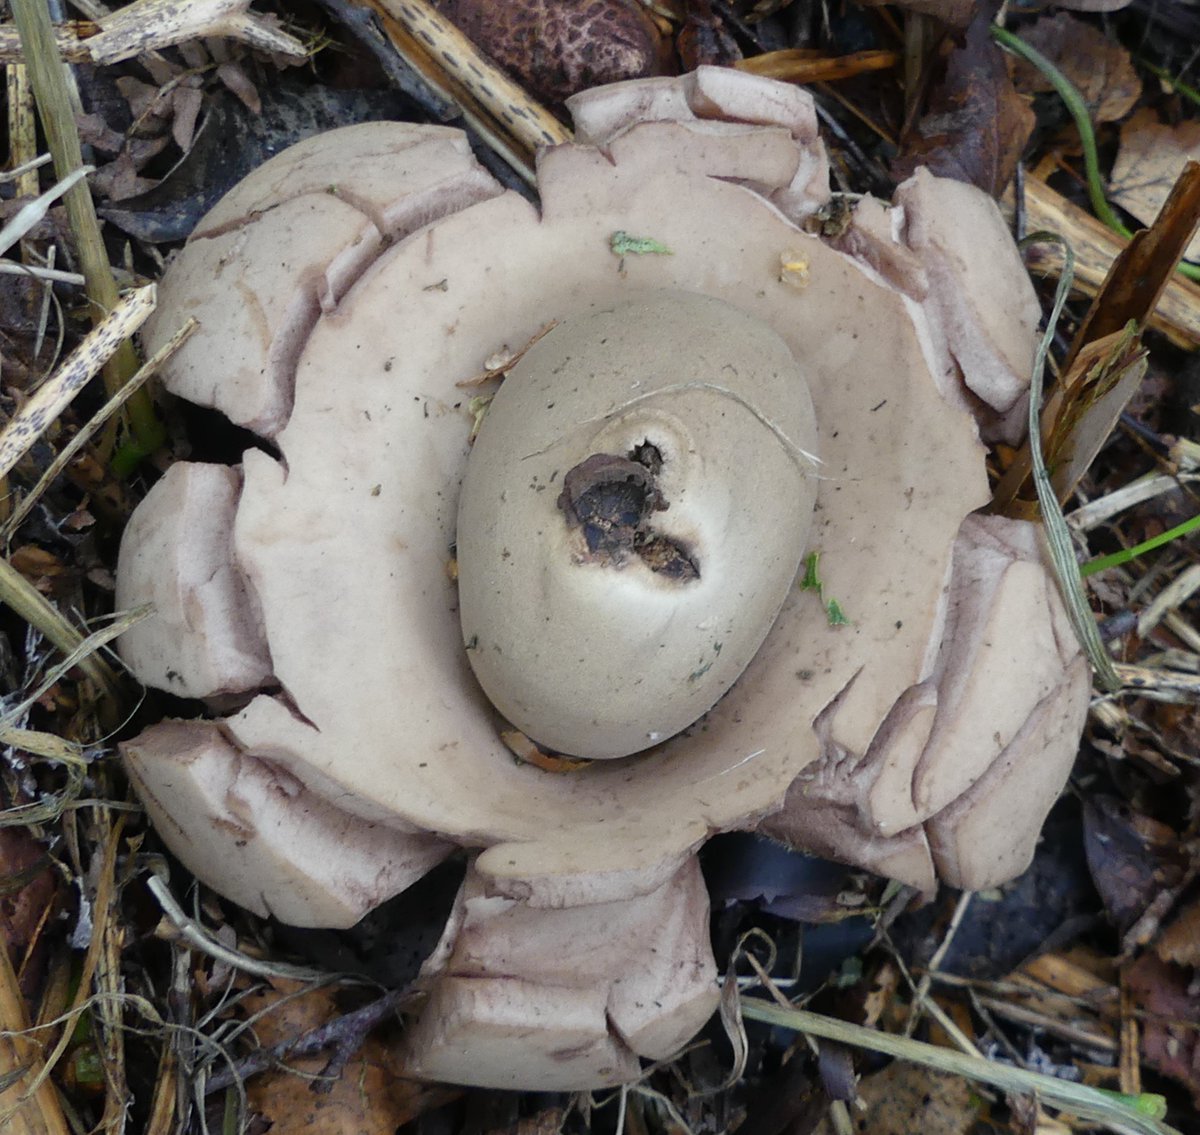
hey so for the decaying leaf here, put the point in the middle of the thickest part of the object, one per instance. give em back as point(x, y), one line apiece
point(975, 124)
point(27, 888)
point(1180, 941)
point(1168, 999)
point(1151, 157)
point(368, 1094)
point(1099, 67)
point(704, 38)
point(905, 1098)
point(1126, 856)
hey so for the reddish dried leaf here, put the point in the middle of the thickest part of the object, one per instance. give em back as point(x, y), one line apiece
point(119, 180)
point(1166, 994)
point(37, 564)
point(27, 887)
point(975, 125)
point(1099, 67)
point(1180, 941)
point(95, 132)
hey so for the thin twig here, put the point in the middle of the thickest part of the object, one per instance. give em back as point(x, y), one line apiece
point(345, 1034)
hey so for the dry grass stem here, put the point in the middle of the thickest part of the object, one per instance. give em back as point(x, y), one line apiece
point(498, 109)
point(68, 39)
point(41, 744)
point(1162, 685)
point(1170, 598)
point(32, 606)
point(51, 87)
point(799, 65)
point(54, 395)
point(49, 275)
point(35, 211)
point(1074, 1033)
point(29, 1103)
point(22, 130)
point(1078, 1099)
point(1096, 247)
point(18, 172)
point(1102, 509)
point(195, 935)
point(148, 25)
point(73, 447)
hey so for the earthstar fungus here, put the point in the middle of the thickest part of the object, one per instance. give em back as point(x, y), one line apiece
point(724, 393)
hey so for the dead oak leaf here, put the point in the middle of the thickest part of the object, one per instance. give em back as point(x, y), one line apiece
point(1180, 941)
point(975, 125)
point(1164, 994)
point(369, 1096)
point(1150, 159)
point(1100, 68)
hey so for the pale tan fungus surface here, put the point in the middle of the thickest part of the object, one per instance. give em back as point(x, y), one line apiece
point(282, 247)
point(205, 634)
point(1007, 691)
point(282, 850)
point(396, 400)
point(980, 294)
point(642, 987)
point(598, 657)
point(345, 544)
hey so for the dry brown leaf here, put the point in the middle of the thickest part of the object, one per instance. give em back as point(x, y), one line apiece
point(187, 102)
point(1099, 67)
point(906, 1097)
point(1163, 993)
point(370, 1097)
point(705, 40)
point(1128, 854)
point(29, 888)
point(1151, 156)
point(234, 77)
point(975, 125)
point(1180, 942)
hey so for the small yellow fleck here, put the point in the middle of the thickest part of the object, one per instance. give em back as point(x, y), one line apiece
point(793, 269)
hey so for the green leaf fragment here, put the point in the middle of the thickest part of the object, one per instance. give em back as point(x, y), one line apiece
point(1147, 1103)
point(625, 244)
point(837, 617)
point(812, 574)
